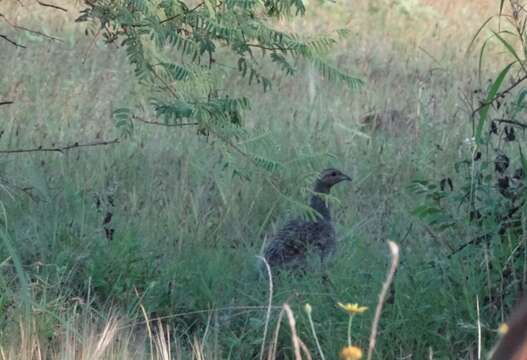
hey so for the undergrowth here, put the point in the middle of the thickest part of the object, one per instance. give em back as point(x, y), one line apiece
point(153, 241)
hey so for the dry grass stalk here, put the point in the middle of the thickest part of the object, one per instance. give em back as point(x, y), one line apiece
point(269, 304)
point(294, 337)
point(105, 340)
point(162, 343)
point(394, 252)
point(272, 350)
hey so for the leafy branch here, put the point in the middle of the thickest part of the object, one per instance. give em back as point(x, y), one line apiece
point(176, 88)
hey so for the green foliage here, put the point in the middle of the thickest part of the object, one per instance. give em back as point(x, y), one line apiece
point(188, 221)
point(180, 53)
point(481, 207)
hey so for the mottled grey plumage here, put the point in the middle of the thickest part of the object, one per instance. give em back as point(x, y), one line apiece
point(299, 238)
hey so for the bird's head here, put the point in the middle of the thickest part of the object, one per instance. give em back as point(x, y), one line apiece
point(330, 177)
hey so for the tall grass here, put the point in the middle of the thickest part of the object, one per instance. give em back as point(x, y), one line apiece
point(190, 214)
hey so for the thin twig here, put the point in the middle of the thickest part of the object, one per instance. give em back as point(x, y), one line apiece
point(18, 27)
point(12, 42)
point(511, 122)
point(436, 238)
point(394, 252)
point(60, 149)
point(233, 145)
point(269, 48)
point(165, 83)
point(8, 102)
point(92, 44)
point(269, 304)
point(151, 122)
point(51, 6)
point(506, 91)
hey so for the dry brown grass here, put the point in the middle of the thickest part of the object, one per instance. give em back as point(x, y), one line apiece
point(113, 338)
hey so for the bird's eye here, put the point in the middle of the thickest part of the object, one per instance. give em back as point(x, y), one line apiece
point(334, 173)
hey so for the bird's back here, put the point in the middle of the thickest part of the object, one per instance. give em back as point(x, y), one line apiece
point(298, 239)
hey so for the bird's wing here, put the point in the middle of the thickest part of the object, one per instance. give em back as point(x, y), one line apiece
point(291, 241)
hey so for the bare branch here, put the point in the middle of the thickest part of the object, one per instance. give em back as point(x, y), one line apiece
point(8, 102)
point(60, 149)
point(12, 42)
point(511, 122)
point(92, 43)
point(51, 6)
point(17, 27)
point(150, 122)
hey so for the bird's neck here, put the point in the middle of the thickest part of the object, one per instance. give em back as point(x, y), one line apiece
point(318, 203)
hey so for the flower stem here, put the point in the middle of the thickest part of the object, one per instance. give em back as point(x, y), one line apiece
point(315, 335)
point(349, 330)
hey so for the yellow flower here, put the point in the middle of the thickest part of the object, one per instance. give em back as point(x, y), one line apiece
point(351, 353)
point(503, 329)
point(352, 308)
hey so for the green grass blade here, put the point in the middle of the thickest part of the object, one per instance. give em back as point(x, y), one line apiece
point(508, 46)
point(480, 29)
point(480, 60)
point(484, 111)
point(21, 274)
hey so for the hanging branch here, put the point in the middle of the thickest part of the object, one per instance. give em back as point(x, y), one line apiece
point(151, 122)
point(12, 42)
point(51, 6)
point(60, 149)
point(35, 32)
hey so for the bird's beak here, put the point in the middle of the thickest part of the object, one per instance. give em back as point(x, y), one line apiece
point(345, 178)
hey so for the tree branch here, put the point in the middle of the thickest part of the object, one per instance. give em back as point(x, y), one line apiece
point(150, 122)
point(8, 102)
point(17, 27)
point(269, 48)
point(12, 42)
point(60, 149)
point(511, 122)
point(51, 6)
point(506, 91)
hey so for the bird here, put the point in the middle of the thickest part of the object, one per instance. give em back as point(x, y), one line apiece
point(292, 245)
